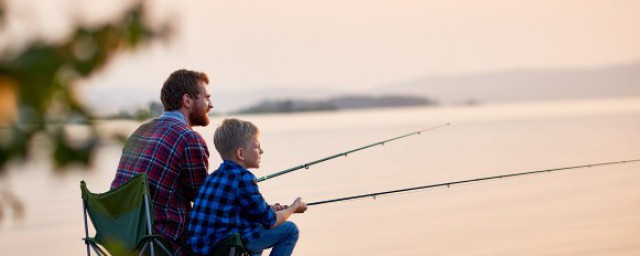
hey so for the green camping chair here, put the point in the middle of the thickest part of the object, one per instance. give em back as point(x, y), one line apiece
point(122, 218)
point(231, 245)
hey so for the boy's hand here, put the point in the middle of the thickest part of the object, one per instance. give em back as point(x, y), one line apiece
point(299, 206)
point(278, 207)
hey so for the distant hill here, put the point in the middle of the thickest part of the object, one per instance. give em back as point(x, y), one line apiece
point(526, 85)
point(491, 87)
point(345, 102)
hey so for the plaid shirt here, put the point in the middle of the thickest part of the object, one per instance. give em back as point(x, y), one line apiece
point(176, 160)
point(228, 202)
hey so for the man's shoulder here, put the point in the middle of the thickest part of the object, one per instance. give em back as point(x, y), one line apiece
point(170, 123)
point(173, 127)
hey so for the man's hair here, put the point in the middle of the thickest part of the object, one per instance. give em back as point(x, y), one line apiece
point(179, 83)
point(233, 134)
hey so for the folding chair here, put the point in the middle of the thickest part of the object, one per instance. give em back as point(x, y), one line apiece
point(231, 245)
point(123, 220)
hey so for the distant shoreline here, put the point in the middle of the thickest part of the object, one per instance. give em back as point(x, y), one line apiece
point(334, 103)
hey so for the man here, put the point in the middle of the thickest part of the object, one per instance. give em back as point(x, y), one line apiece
point(174, 156)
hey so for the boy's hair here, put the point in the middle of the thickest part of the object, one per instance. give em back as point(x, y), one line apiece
point(179, 83)
point(233, 134)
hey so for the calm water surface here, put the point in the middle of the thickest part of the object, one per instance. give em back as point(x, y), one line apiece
point(594, 211)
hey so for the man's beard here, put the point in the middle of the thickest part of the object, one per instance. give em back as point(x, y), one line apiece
point(199, 117)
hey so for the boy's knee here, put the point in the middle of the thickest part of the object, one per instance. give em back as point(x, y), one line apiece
point(292, 228)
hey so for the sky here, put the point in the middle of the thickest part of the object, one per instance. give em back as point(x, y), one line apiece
point(251, 48)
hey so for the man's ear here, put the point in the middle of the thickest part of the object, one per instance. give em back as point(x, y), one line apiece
point(186, 101)
point(240, 154)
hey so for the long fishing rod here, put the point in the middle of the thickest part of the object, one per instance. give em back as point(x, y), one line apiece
point(309, 164)
point(449, 184)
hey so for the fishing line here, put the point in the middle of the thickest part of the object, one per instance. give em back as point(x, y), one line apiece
point(449, 184)
point(344, 154)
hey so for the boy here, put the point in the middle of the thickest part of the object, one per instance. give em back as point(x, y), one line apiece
point(229, 200)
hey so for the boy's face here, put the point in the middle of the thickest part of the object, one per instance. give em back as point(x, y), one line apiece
point(252, 153)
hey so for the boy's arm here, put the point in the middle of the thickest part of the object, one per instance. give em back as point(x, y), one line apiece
point(298, 206)
point(252, 203)
point(278, 207)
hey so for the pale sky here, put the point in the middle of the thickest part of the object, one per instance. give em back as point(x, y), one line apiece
point(357, 45)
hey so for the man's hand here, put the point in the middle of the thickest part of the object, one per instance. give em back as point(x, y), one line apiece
point(299, 206)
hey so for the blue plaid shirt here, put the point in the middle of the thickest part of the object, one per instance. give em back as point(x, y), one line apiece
point(228, 202)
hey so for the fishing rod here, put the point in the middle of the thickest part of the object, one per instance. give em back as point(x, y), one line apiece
point(449, 184)
point(309, 164)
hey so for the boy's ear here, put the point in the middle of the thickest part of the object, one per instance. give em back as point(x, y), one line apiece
point(240, 154)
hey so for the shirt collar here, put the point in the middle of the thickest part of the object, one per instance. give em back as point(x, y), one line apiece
point(232, 164)
point(175, 114)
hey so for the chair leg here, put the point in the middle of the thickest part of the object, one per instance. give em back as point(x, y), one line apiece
point(163, 247)
point(86, 227)
point(149, 227)
point(144, 248)
point(153, 253)
point(97, 250)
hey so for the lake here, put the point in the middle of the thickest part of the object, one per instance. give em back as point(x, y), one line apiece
point(588, 211)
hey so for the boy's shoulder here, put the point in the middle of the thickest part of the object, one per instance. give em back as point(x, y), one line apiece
point(234, 171)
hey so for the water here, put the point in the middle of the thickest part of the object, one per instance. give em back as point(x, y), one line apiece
point(593, 211)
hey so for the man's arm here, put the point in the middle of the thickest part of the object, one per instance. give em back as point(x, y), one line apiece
point(194, 166)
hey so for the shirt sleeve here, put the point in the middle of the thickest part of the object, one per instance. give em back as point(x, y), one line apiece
point(194, 166)
point(252, 202)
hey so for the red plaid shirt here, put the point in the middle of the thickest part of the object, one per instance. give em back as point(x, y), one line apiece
point(176, 159)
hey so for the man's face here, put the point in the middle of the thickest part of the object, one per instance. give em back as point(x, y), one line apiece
point(199, 114)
